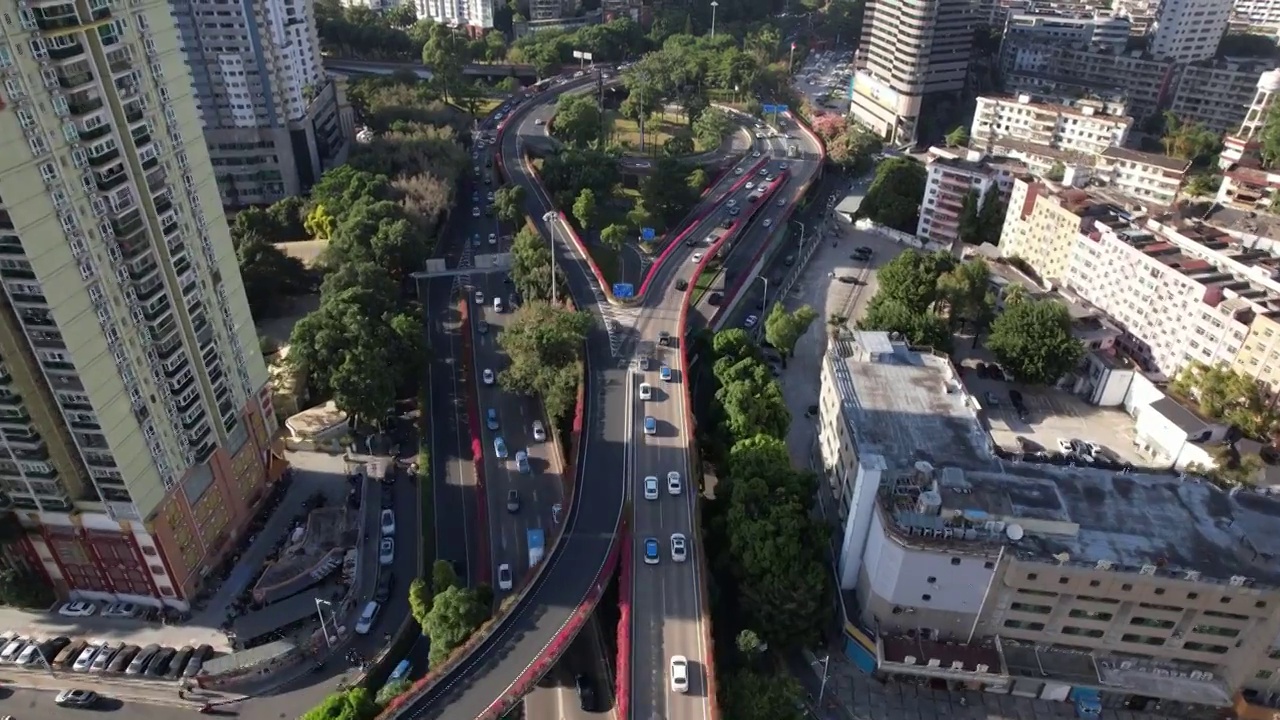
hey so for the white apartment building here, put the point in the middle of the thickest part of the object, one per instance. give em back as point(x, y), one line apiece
point(273, 120)
point(1089, 126)
point(134, 407)
point(1257, 13)
point(1035, 580)
point(1189, 30)
point(477, 14)
point(951, 177)
point(1096, 28)
point(908, 52)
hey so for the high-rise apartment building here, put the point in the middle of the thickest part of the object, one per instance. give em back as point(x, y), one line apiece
point(1087, 126)
point(907, 52)
point(1189, 30)
point(951, 178)
point(134, 412)
point(476, 14)
point(272, 119)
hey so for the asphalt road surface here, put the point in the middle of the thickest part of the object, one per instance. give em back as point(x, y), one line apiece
point(556, 697)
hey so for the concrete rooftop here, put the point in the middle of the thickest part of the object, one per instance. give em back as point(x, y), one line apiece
point(909, 406)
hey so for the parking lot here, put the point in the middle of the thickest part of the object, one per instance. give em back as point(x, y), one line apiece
point(1051, 415)
point(825, 79)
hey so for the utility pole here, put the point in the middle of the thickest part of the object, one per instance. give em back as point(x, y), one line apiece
point(714, 5)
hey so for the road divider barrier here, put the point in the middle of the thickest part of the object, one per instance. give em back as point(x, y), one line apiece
point(622, 691)
point(471, 375)
point(693, 225)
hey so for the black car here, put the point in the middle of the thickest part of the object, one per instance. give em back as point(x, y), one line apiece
point(202, 653)
point(586, 692)
point(386, 585)
point(726, 223)
point(681, 285)
point(1015, 397)
point(388, 499)
point(159, 663)
point(714, 299)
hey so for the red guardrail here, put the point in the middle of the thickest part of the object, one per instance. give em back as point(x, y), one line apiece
point(672, 245)
point(582, 250)
point(554, 649)
point(477, 445)
point(623, 689)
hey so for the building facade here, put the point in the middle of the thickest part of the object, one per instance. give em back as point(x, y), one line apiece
point(475, 14)
point(272, 118)
point(1030, 579)
point(951, 177)
point(1189, 30)
point(1089, 126)
point(133, 407)
point(1092, 28)
point(909, 51)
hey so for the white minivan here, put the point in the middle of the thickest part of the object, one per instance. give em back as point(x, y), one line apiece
point(367, 618)
point(497, 304)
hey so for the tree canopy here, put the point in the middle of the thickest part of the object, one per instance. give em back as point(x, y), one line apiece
point(577, 121)
point(544, 344)
point(1190, 141)
point(1229, 396)
point(569, 172)
point(455, 614)
point(1033, 342)
point(784, 329)
point(928, 297)
point(893, 200)
point(351, 704)
point(269, 275)
point(531, 264)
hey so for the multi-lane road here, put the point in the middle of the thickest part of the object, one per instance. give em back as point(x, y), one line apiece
point(615, 456)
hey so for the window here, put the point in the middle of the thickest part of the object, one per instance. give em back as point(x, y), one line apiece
point(1032, 576)
point(1029, 608)
point(1064, 580)
point(1126, 587)
point(1159, 591)
point(1095, 583)
point(1192, 596)
point(931, 579)
point(1263, 675)
point(955, 561)
point(989, 565)
point(926, 597)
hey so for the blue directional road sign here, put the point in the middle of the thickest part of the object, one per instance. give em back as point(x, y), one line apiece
point(780, 108)
point(769, 108)
point(624, 291)
point(647, 234)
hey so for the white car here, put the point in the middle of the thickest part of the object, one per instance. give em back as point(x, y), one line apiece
point(85, 659)
point(121, 610)
point(737, 171)
point(651, 488)
point(695, 258)
point(646, 391)
point(388, 522)
point(475, 212)
point(504, 577)
point(750, 186)
point(493, 238)
point(750, 322)
point(539, 432)
point(679, 548)
point(782, 202)
point(479, 298)
point(367, 618)
point(77, 609)
point(755, 154)
point(1065, 446)
point(679, 674)
point(768, 222)
point(674, 485)
point(386, 551)
point(488, 376)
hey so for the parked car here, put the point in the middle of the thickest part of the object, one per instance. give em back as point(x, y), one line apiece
point(179, 661)
point(386, 551)
point(67, 655)
point(85, 659)
point(159, 663)
point(387, 520)
point(368, 617)
point(77, 609)
point(198, 658)
point(386, 585)
point(121, 661)
point(139, 663)
point(121, 610)
point(504, 577)
point(539, 432)
point(104, 656)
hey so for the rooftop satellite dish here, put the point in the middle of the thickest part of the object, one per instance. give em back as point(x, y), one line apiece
point(1014, 531)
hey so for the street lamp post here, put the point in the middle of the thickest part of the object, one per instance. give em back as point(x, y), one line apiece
point(802, 232)
point(329, 639)
point(550, 218)
point(714, 5)
point(822, 689)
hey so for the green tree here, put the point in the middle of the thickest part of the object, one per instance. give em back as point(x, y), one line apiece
point(698, 180)
point(1203, 184)
point(894, 198)
point(911, 278)
point(577, 121)
point(344, 186)
point(1269, 140)
point(711, 127)
point(1228, 396)
point(443, 576)
point(734, 345)
point(959, 137)
point(754, 407)
point(419, 601)
point(531, 264)
point(401, 16)
point(351, 704)
point(495, 46)
point(378, 231)
point(966, 292)
point(749, 644)
point(570, 171)
point(615, 236)
point(455, 614)
point(23, 588)
point(751, 695)
point(445, 52)
point(395, 688)
point(584, 208)
point(320, 223)
point(1190, 141)
point(924, 328)
point(1032, 340)
point(544, 344)
point(1056, 172)
point(784, 329)
point(666, 195)
point(508, 203)
point(268, 274)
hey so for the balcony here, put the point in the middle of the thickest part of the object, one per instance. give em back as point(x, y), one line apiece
point(104, 158)
point(75, 80)
point(127, 228)
point(155, 313)
point(94, 133)
point(133, 113)
point(80, 108)
point(141, 135)
point(60, 17)
point(112, 181)
point(12, 400)
point(150, 290)
point(100, 13)
point(74, 50)
point(164, 205)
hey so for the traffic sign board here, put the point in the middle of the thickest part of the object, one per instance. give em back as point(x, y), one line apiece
point(647, 233)
point(780, 108)
point(623, 291)
point(769, 108)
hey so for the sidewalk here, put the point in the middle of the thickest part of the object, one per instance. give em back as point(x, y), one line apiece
point(145, 692)
point(852, 695)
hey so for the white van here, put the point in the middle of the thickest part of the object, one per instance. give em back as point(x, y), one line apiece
point(367, 617)
point(497, 304)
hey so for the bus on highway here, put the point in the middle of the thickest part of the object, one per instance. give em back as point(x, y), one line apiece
point(536, 544)
point(401, 672)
